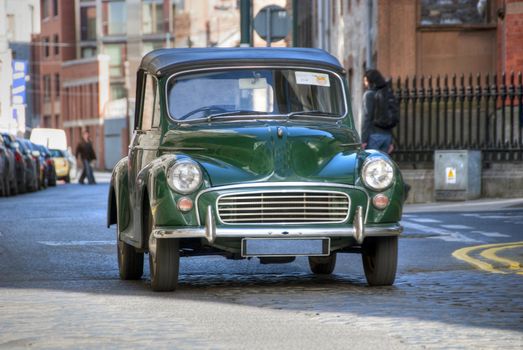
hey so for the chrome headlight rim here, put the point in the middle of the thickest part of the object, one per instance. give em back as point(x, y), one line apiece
point(170, 176)
point(367, 163)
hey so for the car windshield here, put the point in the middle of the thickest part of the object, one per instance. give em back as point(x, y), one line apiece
point(56, 153)
point(256, 92)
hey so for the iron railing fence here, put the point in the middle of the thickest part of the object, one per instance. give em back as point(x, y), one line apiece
point(481, 113)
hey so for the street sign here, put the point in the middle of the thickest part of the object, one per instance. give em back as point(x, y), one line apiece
point(272, 23)
point(19, 82)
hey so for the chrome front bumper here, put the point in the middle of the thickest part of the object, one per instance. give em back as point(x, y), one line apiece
point(210, 232)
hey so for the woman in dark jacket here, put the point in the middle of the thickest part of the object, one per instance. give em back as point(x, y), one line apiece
point(372, 136)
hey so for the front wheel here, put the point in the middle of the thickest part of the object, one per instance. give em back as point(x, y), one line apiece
point(380, 260)
point(164, 264)
point(322, 265)
point(164, 260)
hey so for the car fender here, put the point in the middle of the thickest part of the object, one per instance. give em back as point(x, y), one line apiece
point(147, 192)
point(118, 208)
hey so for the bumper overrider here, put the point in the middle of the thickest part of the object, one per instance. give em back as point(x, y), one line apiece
point(210, 231)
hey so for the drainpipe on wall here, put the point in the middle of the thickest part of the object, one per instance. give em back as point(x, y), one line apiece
point(370, 29)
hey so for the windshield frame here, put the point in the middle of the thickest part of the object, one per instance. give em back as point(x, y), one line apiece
point(345, 104)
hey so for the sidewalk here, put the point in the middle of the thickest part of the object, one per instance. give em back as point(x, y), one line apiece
point(100, 177)
point(487, 204)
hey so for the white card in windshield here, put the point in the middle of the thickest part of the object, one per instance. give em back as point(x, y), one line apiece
point(252, 83)
point(311, 78)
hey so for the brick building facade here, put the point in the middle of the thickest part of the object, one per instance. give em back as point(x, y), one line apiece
point(85, 94)
point(416, 37)
point(510, 36)
point(54, 45)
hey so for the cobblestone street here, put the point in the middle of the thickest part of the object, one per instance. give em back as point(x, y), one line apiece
point(60, 289)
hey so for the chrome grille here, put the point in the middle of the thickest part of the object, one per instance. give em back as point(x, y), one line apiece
point(283, 207)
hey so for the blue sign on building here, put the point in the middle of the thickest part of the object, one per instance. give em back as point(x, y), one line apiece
point(19, 82)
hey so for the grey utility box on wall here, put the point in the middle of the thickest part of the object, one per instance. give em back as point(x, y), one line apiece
point(457, 175)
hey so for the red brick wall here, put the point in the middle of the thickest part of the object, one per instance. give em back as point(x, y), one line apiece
point(60, 26)
point(510, 36)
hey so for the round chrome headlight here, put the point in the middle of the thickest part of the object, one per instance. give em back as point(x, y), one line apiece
point(377, 173)
point(184, 176)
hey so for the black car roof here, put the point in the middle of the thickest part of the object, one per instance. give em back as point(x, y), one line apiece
point(158, 61)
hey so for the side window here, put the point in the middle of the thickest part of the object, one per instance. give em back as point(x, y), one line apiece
point(151, 105)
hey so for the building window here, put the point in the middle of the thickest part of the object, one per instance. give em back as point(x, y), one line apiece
point(114, 17)
point(45, 9)
point(88, 52)
point(148, 46)
point(57, 84)
point(116, 53)
point(56, 45)
point(47, 121)
point(46, 47)
point(455, 12)
point(152, 17)
point(88, 23)
point(117, 91)
point(47, 88)
point(11, 27)
point(55, 7)
point(179, 5)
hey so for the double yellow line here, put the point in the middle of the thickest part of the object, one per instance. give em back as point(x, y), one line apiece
point(489, 252)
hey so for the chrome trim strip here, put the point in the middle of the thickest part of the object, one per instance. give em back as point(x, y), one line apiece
point(345, 104)
point(286, 192)
point(271, 232)
point(281, 184)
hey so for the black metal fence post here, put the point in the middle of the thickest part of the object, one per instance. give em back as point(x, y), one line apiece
point(485, 113)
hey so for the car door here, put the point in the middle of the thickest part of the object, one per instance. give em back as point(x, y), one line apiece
point(144, 147)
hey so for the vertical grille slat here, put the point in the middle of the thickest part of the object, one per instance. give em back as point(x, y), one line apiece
point(284, 207)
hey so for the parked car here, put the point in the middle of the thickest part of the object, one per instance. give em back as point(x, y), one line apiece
point(19, 185)
point(32, 165)
point(62, 165)
point(4, 169)
point(50, 169)
point(250, 152)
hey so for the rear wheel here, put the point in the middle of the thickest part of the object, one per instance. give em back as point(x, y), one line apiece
point(164, 261)
point(130, 262)
point(380, 260)
point(322, 265)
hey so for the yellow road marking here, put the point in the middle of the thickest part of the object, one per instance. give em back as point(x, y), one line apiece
point(490, 253)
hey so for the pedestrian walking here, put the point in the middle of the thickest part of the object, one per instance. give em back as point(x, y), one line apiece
point(85, 152)
point(380, 112)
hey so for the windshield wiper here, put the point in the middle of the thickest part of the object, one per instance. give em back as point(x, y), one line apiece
point(233, 113)
point(313, 113)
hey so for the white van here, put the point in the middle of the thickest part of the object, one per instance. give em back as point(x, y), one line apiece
point(55, 139)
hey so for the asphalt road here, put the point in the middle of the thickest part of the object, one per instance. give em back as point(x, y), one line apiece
point(59, 286)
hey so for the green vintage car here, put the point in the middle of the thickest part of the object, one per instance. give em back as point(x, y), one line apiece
point(250, 152)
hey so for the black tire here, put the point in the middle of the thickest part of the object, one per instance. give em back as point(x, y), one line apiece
point(322, 265)
point(14, 189)
point(130, 262)
point(164, 263)
point(52, 178)
point(380, 260)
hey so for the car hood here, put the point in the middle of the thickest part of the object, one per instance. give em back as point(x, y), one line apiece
point(237, 152)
